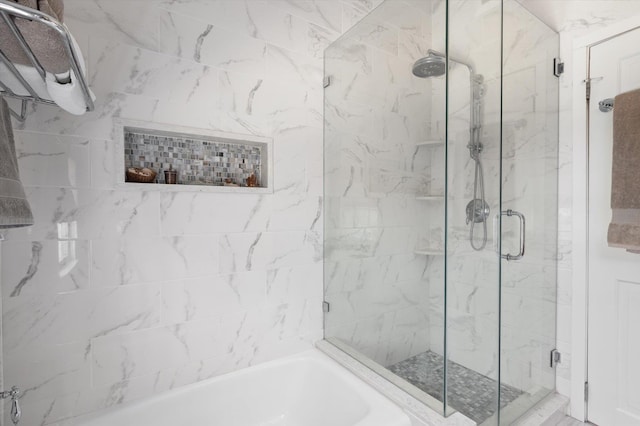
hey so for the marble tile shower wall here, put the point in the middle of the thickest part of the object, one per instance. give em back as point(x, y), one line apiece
point(377, 112)
point(116, 294)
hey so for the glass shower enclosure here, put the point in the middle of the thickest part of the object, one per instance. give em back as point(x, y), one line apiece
point(440, 176)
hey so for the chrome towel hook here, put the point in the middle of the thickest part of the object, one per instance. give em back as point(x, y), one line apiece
point(606, 105)
point(14, 394)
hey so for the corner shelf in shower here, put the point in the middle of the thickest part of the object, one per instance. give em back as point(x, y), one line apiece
point(431, 143)
point(429, 252)
point(430, 197)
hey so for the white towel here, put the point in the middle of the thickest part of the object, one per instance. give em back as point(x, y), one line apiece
point(30, 75)
point(56, 87)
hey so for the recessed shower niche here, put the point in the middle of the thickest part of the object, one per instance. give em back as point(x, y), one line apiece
point(170, 157)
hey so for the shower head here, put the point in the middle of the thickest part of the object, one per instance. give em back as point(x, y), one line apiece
point(432, 65)
point(435, 64)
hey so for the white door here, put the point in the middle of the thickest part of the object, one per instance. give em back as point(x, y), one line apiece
point(614, 274)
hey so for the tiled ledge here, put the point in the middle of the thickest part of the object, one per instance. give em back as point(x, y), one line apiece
point(422, 414)
point(133, 186)
point(550, 411)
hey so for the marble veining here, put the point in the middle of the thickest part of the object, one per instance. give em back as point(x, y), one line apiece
point(36, 248)
point(123, 292)
point(223, 281)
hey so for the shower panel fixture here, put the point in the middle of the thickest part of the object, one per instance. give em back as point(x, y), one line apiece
point(434, 65)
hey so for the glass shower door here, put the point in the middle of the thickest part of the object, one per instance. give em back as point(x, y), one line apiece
point(501, 210)
point(530, 211)
point(473, 199)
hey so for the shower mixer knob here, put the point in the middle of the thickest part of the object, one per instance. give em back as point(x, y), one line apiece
point(477, 211)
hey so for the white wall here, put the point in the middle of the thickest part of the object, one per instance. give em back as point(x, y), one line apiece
point(127, 293)
point(574, 20)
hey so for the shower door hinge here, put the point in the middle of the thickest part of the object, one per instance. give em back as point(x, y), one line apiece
point(558, 67)
point(587, 83)
point(326, 81)
point(325, 307)
point(554, 358)
point(586, 391)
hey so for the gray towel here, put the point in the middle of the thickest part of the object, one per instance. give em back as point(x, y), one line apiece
point(14, 208)
point(624, 230)
point(45, 42)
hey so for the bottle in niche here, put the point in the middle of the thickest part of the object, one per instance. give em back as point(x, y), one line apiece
point(170, 176)
point(160, 177)
point(252, 180)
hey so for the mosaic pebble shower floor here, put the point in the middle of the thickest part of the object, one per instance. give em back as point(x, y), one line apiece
point(471, 393)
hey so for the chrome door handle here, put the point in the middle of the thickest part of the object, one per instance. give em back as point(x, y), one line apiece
point(520, 217)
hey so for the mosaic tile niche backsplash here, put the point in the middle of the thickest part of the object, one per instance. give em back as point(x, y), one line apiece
point(197, 160)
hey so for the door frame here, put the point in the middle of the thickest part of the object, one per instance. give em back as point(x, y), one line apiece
point(580, 256)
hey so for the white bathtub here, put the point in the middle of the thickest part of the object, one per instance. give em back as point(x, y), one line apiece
point(308, 389)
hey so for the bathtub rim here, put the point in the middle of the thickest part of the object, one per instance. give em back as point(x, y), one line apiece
point(369, 394)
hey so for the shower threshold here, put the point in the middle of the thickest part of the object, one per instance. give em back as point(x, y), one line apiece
point(469, 392)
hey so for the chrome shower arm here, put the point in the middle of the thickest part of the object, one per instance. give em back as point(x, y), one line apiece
point(451, 59)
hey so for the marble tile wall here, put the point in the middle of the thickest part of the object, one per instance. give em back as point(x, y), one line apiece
point(117, 294)
point(91, 276)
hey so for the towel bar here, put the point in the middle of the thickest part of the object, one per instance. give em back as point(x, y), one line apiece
point(10, 11)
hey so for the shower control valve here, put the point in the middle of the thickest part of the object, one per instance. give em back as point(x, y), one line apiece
point(477, 211)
